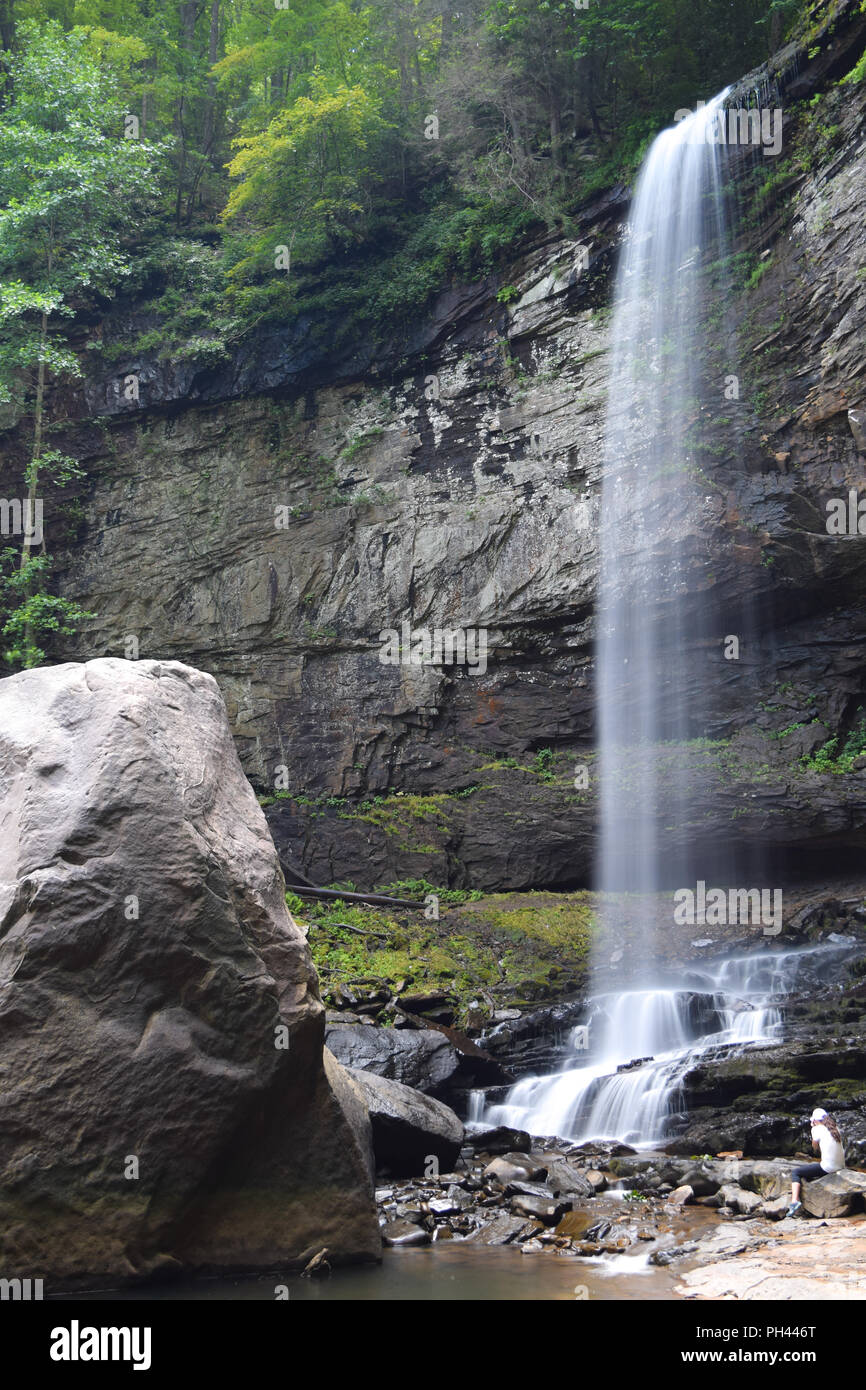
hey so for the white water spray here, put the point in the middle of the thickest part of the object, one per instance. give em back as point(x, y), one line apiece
point(656, 1036)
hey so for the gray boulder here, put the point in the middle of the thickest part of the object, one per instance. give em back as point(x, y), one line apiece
point(422, 1058)
point(768, 1179)
point(166, 1104)
point(838, 1194)
point(408, 1127)
point(563, 1179)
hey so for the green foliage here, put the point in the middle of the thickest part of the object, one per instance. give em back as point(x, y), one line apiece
point(70, 188)
point(543, 764)
point(419, 888)
point(833, 759)
point(29, 615)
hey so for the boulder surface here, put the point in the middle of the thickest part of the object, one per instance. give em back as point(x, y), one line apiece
point(409, 1128)
point(165, 1100)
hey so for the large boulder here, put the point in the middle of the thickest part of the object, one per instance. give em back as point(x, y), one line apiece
point(409, 1128)
point(838, 1194)
point(422, 1058)
point(165, 1102)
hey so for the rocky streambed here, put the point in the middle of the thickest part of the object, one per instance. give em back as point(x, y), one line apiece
point(605, 1202)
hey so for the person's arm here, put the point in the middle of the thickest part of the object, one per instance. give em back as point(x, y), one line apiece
point(816, 1147)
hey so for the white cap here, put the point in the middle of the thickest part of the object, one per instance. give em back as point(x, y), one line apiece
point(818, 1115)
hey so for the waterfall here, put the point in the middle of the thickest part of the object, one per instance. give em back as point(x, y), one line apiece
point(645, 1041)
point(652, 625)
point(660, 665)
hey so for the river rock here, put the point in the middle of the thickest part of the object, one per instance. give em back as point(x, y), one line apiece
point(502, 1229)
point(563, 1178)
point(166, 1100)
point(776, 1209)
point(409, 1128)
point(514, 1168)
point(702, 1181)
point(770, 1180)
point(681, 1197)
point(500, 1141)
point(543, 1209)
point(421, 1058)
point(747, 1203)
point(399, 1233)
point(838, 1194)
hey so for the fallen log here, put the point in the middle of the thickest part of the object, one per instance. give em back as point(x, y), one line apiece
point(331, 894)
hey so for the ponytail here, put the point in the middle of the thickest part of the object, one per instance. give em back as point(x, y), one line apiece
point(831, 1125)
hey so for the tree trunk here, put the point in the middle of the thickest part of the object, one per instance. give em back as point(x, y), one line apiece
point(212, 55)
point(7, 47)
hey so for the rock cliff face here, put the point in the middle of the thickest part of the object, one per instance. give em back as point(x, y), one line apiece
point(269, 522)
point(164, 1105)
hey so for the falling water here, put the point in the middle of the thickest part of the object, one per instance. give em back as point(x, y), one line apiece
point(643, 1042)
point(653, 625)
point(659, 635)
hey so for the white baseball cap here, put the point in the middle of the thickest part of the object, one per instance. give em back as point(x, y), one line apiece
point(818, 1115)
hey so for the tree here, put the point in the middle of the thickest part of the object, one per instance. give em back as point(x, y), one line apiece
point(70, 186)
point(308, 173)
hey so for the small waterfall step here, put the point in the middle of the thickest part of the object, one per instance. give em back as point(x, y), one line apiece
point(606, 1087)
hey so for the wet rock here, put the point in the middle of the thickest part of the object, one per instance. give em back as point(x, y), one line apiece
point(408, 1127)
point(437, 1004)
point(573, 1224)
point(599, 1230)
point(529, 1189)
point(500, 1141)
point(605, 1148)
point(531, 1247)
point(502, 1229)
point(459, 1197)
point(669, 1254)
point(400, 1233)
point(542, 1209)
point(514, 1167)
point(442, 1206)
point(838, 1194)
point(563, 1178)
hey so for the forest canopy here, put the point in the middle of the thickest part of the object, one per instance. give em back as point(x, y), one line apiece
point(352, 155)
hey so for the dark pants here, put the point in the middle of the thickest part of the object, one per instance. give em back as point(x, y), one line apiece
point(808, 1172)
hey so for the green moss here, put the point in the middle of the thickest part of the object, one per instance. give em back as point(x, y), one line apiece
point(521, 948)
